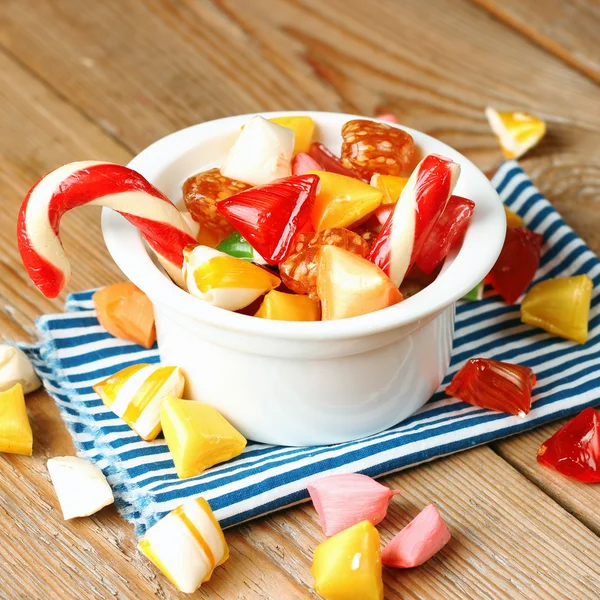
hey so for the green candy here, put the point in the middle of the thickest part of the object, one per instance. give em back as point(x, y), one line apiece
point(236, 245)
point(476, 293)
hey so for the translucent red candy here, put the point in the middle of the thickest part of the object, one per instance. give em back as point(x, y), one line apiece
point(369, 147)
point(495, 385)
point(328, 160)
point(299, 270)
point(574, 450)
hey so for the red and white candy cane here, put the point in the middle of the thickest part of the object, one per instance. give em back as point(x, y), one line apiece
point(421, 203)
point(100, 184)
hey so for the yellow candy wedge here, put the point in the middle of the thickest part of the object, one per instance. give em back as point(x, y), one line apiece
point(517, 131)
point(512, 218)
point(347, 566)
point(198, 436)
point(280, 306)
point(303, 128)
point(16, 436)
point(390, 185)
point(342, 201)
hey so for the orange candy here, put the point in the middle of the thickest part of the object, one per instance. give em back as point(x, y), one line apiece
point(126, 312)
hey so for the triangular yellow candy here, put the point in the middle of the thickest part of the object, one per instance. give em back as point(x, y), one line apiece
point(303, 128)
point(280, 306)
point(16, 436)
point(198, 436)
point(390, 185)
point(517, 131)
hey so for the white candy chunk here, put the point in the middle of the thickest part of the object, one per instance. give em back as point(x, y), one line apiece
point(263, 152)
point(15, 368)
point(193, 225)
point(80, 486)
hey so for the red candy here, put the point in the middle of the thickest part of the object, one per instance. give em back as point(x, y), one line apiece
point(269, 216)
point(574, 450)
point(516, 266)
point(328, 161)
point(495, 385)
point(303, 163)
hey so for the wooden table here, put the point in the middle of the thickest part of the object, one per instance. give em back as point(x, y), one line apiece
point(102, 80)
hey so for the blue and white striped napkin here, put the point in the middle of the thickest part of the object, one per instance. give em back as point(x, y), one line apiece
point(76, 352)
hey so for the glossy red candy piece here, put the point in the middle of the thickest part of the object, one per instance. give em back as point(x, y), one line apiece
point(303, 163)
point(448, 231)
point(495, 385)
point(574, 450)
point(269, 216)
point(518, 261)
point(328, 160)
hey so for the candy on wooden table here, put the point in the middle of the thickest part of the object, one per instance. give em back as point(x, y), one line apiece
point(203, 191)
point(186, 545)
point(100, 184)
point(303, 163)
point(448, 231)
point(476, 293)
point(262, 153)
point(280, 306)
point(198, 436)
point(235, 245)
point(390, 185)
point(126, 313)
point(225, 281)
point(560, 306)
point(80, 486)
point(269, 216)
point(328, 160)
point(517, 131)
point(299, 270)
point(421, 204)
point(512, 218)
point(517, 264)
point(370, 147)
point(342, 201)
point(15, 368)
point(349, 285)
point(423, 537)
point(303, 128)
point(347, 566)
point(347, 499)
point(135, 394)
point(495, 385)
point(16, 436)
point(574, 450)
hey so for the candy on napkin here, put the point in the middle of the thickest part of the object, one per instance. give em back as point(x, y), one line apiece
point(345, 500)
point(349, 285)
point(347, 566)
point(560, 306)
point(262, 153)
point(303, 128)
point(135, 394)
point(126, 313)
point(574, 450)
point(271, 215)
point(15, 368)
point(517, 131)
point(225, 281)
point(235, 245)
point(280, 306)
point(494, 385)
point(186, 545)
point(390, 186)
point(80, 486)
point(16, 436)
point(512, 218)
point(423, 537)
point(303, 163)
point(328, 160)
point(198, 436)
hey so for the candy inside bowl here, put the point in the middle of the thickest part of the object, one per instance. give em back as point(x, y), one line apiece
point(305, 383)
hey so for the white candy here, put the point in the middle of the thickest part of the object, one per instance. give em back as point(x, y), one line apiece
point(15, 368)
point(193, 225)
point(263, 152)
point(80, 486)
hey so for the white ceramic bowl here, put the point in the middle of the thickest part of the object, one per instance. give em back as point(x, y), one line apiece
point(294, 383)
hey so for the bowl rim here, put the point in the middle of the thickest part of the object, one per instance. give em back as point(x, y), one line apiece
point(459, 274)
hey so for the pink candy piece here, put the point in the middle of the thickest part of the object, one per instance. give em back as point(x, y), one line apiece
point(423, 537)
point(345, 500)
point(390, 118)
point(303, 163)
point(383, 212)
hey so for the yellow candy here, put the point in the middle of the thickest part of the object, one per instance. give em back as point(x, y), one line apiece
point(517, 131)
point(15, 431)
point(198, 436)
point(280, 306)
point(136, 393)
point(512, 218)
point(347, 566)
point(186, 545)
point(303, 128)
point(390, 185)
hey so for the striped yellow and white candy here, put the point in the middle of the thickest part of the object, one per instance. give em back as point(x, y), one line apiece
point(225, 281)
point(186, 545)
point(517, 131)
point(136, 393)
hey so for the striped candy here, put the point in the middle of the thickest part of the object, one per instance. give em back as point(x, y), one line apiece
point(186, 545)
point(100, 184)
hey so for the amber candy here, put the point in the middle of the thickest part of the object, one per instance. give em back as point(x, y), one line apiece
point(299, 270)
point(369, 147)
point(202, 192)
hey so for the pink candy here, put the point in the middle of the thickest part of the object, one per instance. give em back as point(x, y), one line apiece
point(390, 118)
point(303, 163)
